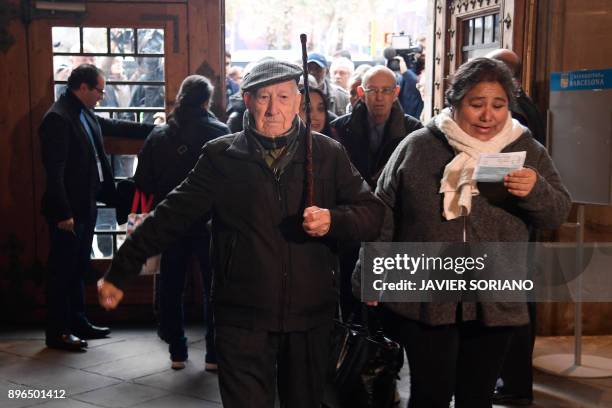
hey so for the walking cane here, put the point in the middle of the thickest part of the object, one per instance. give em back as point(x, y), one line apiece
point(309, 178)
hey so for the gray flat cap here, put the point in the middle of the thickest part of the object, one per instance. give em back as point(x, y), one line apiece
point(270, 72)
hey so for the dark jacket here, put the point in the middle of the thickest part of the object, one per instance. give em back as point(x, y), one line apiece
point(409, 187)
point(169, 153)
point(72, 184)
point(337, 98)
point(409, 96)
point(329, 118)
point(268, 273)
point(235, 112)
point(527, 113)
point(352, 130)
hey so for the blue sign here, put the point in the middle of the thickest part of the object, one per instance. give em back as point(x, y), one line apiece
point(586, 80)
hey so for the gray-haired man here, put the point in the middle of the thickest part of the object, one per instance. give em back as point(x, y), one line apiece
point(274, 260)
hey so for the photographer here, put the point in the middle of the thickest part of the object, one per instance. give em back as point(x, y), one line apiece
point(402, 60)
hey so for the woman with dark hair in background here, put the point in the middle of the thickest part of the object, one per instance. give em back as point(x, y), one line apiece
point(320, 115)
point(457, 348)
point(169, 153)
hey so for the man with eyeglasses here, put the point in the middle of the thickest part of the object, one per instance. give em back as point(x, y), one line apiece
point(370, 133)
point(77, 175)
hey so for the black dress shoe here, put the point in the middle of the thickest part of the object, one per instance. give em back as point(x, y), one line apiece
point(91, 332)
point(511, 399)
point(66, 342)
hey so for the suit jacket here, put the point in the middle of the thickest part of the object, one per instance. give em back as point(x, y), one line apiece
point(73, 184)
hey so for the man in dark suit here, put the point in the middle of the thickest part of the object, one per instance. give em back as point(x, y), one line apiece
point(78, 174)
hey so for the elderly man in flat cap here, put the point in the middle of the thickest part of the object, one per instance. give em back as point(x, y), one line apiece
point(274, 289)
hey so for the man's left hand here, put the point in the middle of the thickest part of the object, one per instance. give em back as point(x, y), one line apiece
point(521, 182)
point(316, 221)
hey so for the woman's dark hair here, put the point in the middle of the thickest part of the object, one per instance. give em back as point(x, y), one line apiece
point(476, 71)
point(84, 73)
point(194, 91)
point(328, 118)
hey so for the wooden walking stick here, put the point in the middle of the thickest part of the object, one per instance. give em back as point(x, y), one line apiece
point(309, 177)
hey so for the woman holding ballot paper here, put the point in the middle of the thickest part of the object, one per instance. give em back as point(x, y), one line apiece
point(428, 186)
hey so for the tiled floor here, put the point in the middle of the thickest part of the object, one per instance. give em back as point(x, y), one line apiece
point(131, 369)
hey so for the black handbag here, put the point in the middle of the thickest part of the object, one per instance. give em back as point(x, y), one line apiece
point(364, 366)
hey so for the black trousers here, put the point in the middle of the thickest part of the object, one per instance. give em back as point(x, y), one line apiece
point(517, 370)
point(173, 271)
point(253, 362)
point(462, 359)
point(68, 264)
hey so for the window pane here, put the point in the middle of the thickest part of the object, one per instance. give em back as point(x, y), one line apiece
point(65, 39)
point(471, 41)
point(58, 91)
point(478, 30)
point(496, 27)
point(488, 27)
point(131, 69)
point(106, 220)
point(122, 40)
point(94, 40)
point(480, 52)
point(117, 96)
point(120, 240)
point(467, 30)
point(122, 68)
point(150, 69)
point(150, 96)
point(150, 41)
point(125, 165)
point(63, 65)
point(132, 93)
point(102, 246)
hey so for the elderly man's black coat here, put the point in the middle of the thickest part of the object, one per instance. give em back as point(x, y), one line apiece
point(269, 274)
point(68, 157)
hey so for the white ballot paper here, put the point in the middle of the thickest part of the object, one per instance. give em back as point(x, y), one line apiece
point(492, 167)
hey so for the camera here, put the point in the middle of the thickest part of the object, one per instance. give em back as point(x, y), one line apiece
point(401, 45)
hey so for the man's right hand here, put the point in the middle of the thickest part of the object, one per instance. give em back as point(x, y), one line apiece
point(66, 225)
point(402, 64)
point(372, 303)
point(109, 295)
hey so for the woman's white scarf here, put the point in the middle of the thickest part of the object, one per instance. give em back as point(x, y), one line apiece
point(457, 184)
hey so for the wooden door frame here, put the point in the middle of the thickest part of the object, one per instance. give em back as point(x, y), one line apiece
point(517, 32)
point(171, 17)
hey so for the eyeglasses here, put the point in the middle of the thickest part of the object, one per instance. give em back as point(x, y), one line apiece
point(101, 91)
point(384, 91)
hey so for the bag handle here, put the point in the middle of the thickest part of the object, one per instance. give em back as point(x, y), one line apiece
point(135, 201)
point(145, 202)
